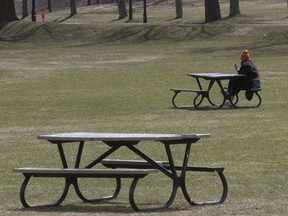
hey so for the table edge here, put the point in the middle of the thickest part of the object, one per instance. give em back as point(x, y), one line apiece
point(222, 75)
point(86, 136)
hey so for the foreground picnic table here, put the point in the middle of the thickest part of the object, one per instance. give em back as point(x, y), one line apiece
point(122, 168)
point(202, 93)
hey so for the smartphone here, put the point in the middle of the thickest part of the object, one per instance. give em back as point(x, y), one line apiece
point(236, 67)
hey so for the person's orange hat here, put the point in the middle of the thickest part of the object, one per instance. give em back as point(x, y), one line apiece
point(245, 55)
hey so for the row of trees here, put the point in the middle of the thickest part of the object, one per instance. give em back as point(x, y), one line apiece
point(212, 9)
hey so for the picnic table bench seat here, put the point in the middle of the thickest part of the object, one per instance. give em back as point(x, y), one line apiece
point(142, 164)
point(205, 94)
point(199, 92)
point(138, 164)
point(71, 175)
point(76, 172)
point(116, 163)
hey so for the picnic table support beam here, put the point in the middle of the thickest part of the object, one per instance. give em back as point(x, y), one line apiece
point(152, 162)
point(62, 155)
point(103, 156)
point(79, 154)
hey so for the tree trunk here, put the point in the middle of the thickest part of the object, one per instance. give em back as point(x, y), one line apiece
point(73, 7)
point(7, 11)
point(234, 8)
point(49, 6)
point(130, 10)
point(179, 11)
point(122, 9)
point(24, 9)
point(212, 10)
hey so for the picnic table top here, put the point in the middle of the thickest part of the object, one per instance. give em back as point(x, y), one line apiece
point(215, 75)
point(83, 136)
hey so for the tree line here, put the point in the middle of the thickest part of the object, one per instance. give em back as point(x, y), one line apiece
point(212, 9)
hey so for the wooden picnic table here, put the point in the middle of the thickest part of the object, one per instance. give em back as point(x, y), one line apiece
point(122, 168)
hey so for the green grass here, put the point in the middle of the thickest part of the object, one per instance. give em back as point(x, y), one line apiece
point(61, 78)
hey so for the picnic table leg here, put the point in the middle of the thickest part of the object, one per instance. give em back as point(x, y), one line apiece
point(177, 181)
point(209, 88)
point(259, 98)
point(207, 95)
point(226, 95)
point(252, 106)
point(163, 170)
point(23, 190)
point(222, 198)
point(135, 206)
point(173, 98)
point(195, 103)
point(181, 181)
point(74, 181)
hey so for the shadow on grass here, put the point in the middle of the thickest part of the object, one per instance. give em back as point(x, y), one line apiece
point(64, 19)
point(2, 25)
point(16, 31)
point(210, 108)
point(111, 207)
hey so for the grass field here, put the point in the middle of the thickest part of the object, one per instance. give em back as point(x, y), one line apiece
point(107, 75)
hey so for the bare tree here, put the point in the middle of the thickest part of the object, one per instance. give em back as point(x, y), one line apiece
point(24, 9)
point(122, 9)
point(179, 11)
point(73, 8)
point(212, 10)
point(7, 11)
point(234, 8)
point(49, 6)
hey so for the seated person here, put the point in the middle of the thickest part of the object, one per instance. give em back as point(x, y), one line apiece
point(250, 70)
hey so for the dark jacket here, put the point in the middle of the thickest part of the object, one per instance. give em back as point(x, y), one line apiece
point(249, 69)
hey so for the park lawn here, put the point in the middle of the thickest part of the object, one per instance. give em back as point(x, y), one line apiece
point(123, 85)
